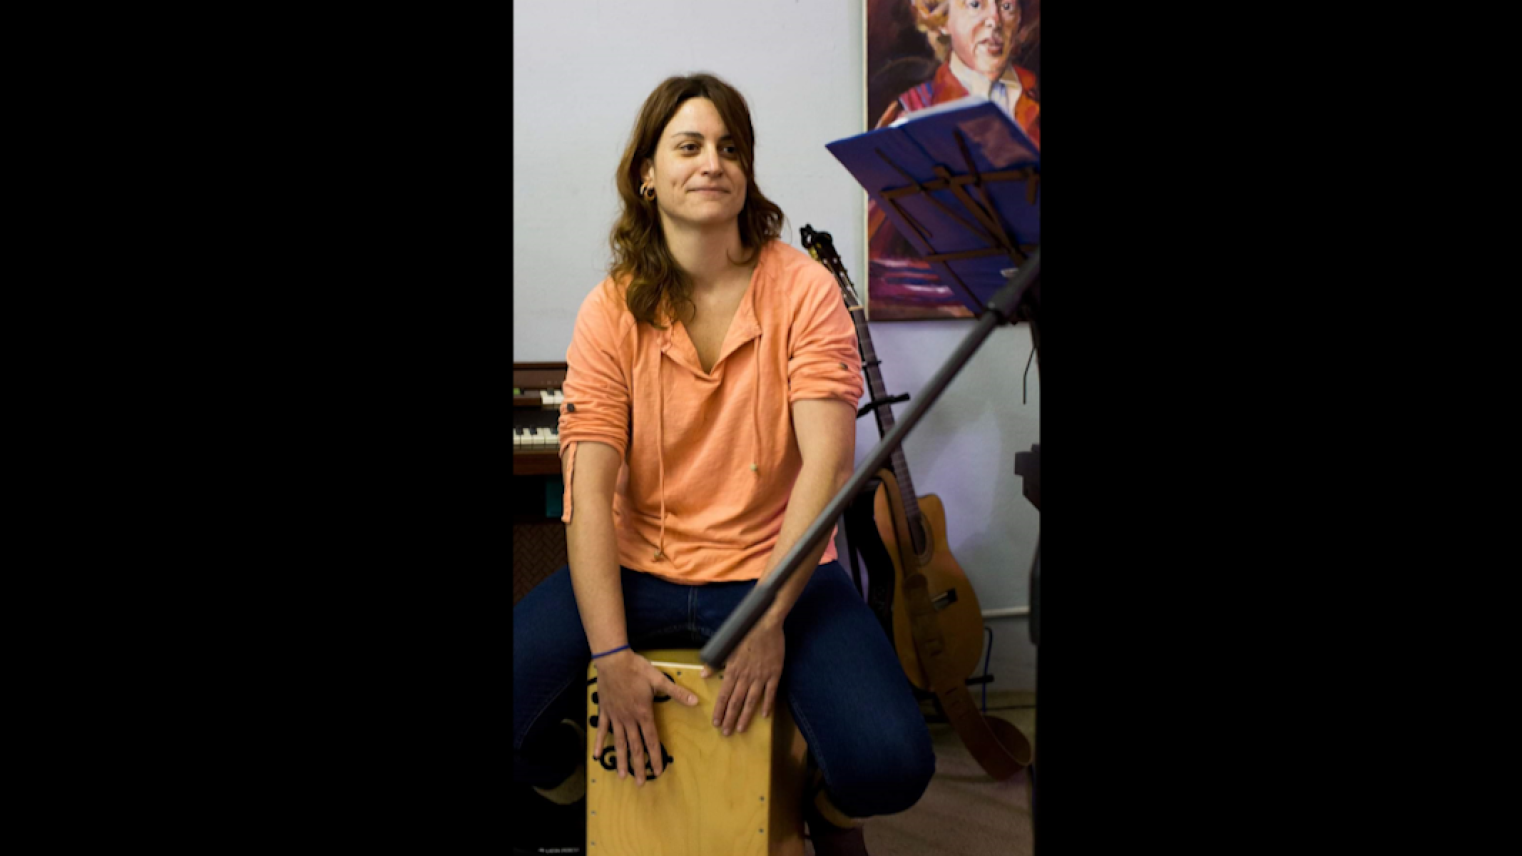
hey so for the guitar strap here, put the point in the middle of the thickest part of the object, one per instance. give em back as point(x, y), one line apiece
point(862, 538)
point(972, 726)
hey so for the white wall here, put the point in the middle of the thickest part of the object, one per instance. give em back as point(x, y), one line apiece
point(579, 78)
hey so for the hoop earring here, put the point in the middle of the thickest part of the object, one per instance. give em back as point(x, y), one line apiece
point(648, 192)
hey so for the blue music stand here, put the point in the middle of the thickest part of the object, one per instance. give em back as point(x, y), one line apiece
point(961, 183)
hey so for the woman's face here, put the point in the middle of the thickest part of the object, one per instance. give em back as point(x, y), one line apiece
point(983, 33)
point(696, 170)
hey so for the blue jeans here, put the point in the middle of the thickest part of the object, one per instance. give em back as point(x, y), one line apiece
point(840, 677)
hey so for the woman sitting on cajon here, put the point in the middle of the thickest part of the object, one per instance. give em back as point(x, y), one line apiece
point(709, 417)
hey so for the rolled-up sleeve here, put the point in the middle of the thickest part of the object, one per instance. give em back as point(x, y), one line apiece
point(823, 359)
point(596, 388)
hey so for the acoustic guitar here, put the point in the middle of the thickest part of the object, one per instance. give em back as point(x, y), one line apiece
point(936, 623)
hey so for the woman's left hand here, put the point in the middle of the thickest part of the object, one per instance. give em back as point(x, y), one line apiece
point(751, 677)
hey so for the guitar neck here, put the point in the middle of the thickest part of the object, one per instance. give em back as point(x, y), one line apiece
point(878, 392)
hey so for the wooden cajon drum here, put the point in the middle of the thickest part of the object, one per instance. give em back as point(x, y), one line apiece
point(739, 795)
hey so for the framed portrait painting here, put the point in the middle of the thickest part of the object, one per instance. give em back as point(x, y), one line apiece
point(920, 53)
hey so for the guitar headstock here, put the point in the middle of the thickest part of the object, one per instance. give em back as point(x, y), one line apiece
point(822, 247)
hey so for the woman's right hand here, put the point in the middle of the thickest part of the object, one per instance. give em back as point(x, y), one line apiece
point(626, 686)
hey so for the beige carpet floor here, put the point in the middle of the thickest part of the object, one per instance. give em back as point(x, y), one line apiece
point(964, 811)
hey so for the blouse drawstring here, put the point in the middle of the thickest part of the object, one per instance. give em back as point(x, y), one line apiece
point(755, 404)
point(660, 447)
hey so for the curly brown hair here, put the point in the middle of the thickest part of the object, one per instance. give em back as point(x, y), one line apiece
point(657, 287)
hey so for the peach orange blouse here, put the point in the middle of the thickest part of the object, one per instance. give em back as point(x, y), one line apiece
point(709, 457)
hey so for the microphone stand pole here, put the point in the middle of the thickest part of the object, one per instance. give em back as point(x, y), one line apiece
point(1003, 308)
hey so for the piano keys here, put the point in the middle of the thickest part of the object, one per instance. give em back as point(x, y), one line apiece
point(538, 437)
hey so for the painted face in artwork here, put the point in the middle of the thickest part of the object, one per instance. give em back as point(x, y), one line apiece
point(983, 33)
point(696, 168)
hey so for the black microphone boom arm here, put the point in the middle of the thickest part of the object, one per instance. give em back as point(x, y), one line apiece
point(1001, 309)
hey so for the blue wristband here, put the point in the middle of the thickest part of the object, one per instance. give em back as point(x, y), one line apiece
point(606, 653)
